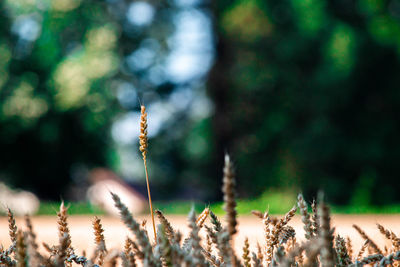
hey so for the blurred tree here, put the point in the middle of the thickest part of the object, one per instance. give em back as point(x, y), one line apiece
point(61, 66)
point(306, 95)
point(55, 105)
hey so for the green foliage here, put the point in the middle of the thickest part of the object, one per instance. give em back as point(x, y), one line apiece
point(75, 208)
point(312, 98)
point(56, 106)
point(244, 207)
point(365, 209)
point(305, 96)
point(276, 202)
point(178, 207)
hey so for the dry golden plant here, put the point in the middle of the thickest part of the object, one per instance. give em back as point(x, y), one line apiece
point(99, 240)
point(143, 148)
point(202, 217)
point(280, 240)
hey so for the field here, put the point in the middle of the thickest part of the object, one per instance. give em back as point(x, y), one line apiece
point(308, 239)
point(250, 226)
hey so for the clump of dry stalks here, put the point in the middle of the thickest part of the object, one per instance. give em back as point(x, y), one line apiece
point(280, 247)
point(322, 247)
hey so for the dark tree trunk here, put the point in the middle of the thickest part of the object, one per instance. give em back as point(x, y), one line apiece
point(219, 85)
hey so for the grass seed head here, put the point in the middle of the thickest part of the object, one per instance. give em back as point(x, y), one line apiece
point(228, 189)
point(143, 132)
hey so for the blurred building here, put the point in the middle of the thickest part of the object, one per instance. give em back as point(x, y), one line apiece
point(19, 201)
point(104, 181)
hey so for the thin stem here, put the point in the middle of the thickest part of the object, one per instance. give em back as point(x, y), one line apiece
point(233, 258)
point(150, 202)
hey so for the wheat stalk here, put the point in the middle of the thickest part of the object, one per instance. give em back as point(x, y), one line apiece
point(256, 260)
point(143, 148)
point(20, 249)
point(99, 240)
point(169, 230)
point(34, 257)
point(258, 214)
point(325, 233)
point(362, 250)
point(246, 253)
point(349, 247)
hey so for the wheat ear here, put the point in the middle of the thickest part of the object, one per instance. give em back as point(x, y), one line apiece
point(202, 217)
point(137, 252)
point(269, 248)
point(165, 246)
point(349, 247)
point(260, 255)
point(12, 229)
point(371, 259)
point(129, 255)
point(342, 254)
point(315, 219)
point(212, 235)
point(215, 221)
point(63, 231)
point(228, 189)
point(196, 254)
point(390, 236)
point(211, 258)
point(258, 214)
point(168, 229)
point(305, 217)
point(98, 233)
point(256, 260)
point(372, 244)
point(280, 224)
point(362, 250)
point(99, 240)
point(246, 253)
point(143, 148)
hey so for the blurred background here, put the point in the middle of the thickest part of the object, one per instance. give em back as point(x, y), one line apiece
point(304, 94)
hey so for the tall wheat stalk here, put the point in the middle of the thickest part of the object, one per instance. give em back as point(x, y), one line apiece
point(143, 149)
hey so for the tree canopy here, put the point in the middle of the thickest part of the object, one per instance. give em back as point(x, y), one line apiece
point(302, 94)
